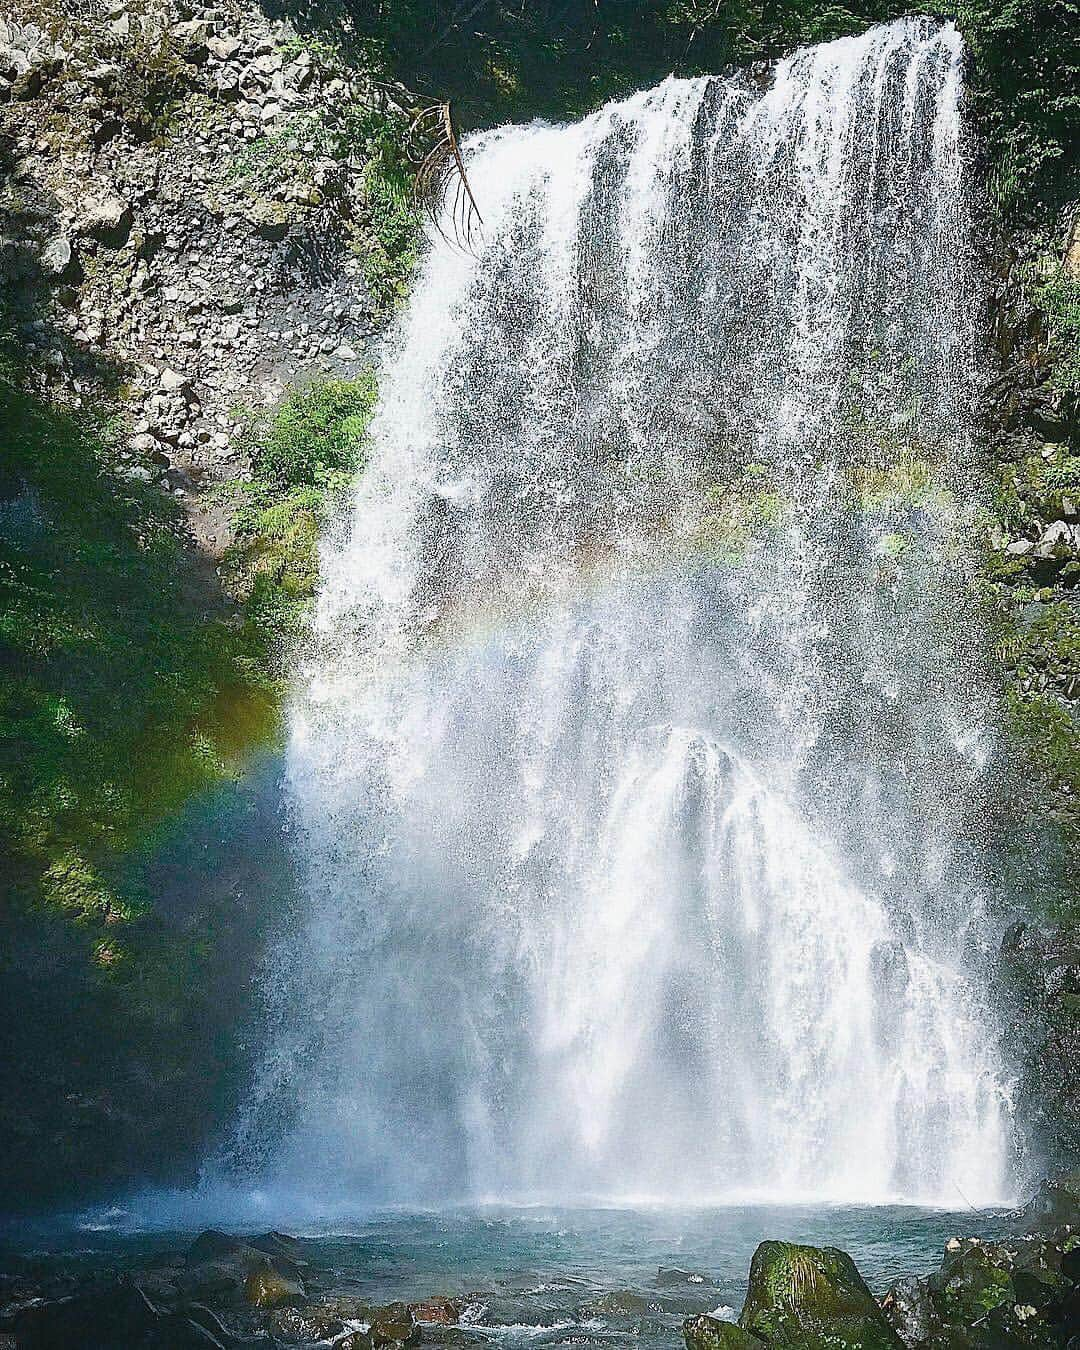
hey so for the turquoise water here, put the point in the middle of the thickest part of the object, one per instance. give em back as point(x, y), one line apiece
point(536, 1275)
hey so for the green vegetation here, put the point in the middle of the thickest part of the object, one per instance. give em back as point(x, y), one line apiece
point(1058, 296)
point(303, 457)
point(120, 677)
point(130, 687)
point(511, 60)
point(386, 232)
point(1038, 641)
point(738, 515)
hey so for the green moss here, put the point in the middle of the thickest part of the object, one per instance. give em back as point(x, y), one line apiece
point(388, 245)
point(902, 480)
point(739, 514)
point(812, 1298)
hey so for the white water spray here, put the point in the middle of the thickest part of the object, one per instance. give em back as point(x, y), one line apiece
point(637, 772)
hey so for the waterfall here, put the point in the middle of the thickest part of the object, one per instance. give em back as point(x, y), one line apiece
point(639, 764)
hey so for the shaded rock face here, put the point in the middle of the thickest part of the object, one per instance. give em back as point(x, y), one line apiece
point(811, 1298)
point(1039, 986)
point(1056, 1205)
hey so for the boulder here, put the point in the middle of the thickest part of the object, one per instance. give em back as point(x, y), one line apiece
point(58, 259)
point(973, 1279)
point(1055, 1205)
point(673, 1277)
point(106, 1320)
point(298, 1325)
point(812, 1298)
point(440, 1309)
point(268, 1288)
point(623, 1303)
point(710, 1333)
point(393, 1325)
point(107, 219)
point(910, 1310)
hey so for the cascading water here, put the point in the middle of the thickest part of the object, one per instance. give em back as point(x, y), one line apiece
point(638, 772)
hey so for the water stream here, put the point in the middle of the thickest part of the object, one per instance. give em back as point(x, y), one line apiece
point(639, 765)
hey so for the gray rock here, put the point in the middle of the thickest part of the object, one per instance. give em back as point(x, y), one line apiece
point(58, 258)
point(107, 219)
point(223, 46)
point(1056, 1205)
point(172, 381)
point(910, 1310)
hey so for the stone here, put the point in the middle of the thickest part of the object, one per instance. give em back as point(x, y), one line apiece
point(269, 1289)
point(58, 258)
point(812, 1298)
point(172, 381)
point(223, 46)
point(1055, 1205)
point(669, 1277)
point(711, 1333)
point(1072, 249)
point(622, 1302)
point(295, 1325)
point(440, 1309)
point(910, 1310)
point(393, 1325)
point(106, 1320)
point(107, 219)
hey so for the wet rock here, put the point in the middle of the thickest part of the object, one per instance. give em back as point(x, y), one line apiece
point(910, 1310)
point(299, 1325)
point(122, 1316)
point(440, 1309)
point(623, 1303)
point(393, 1325)
point(972, 1280)
point(672, 1277)
point(215, 1281)
point(812, 1298)
point(1056, 1205)
point(269, 1289)
point(710, 1333)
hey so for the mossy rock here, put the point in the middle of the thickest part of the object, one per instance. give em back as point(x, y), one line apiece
point(710, 1333)
point(268, 1289)
point(812, 1298)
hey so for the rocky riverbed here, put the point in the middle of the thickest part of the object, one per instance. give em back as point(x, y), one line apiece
point(268, 1289)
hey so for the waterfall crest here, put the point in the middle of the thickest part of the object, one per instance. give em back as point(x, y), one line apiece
point(637, 771)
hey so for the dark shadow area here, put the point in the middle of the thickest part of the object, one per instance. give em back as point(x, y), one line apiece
point(127, 685)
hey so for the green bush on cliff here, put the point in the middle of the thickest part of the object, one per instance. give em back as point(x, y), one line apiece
point(303, 457)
